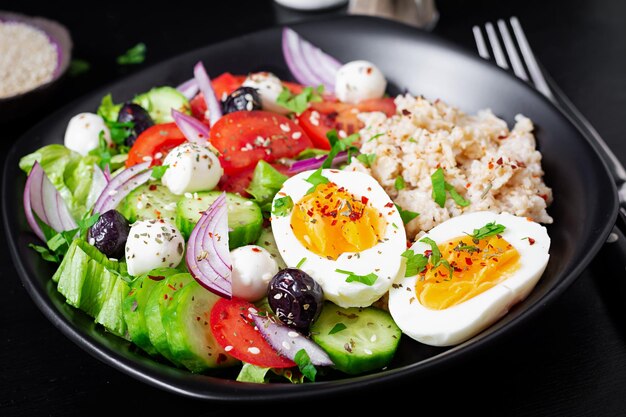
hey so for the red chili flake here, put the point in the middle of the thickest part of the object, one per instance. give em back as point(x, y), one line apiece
point(152, 187)
point(158, 213)
point(531, 241)
point(428, 253)
point(503, 137)
point(165, 296)
point(499, 161)
point(156, 277)
point(468, 185)
point(309, 213)
point(495, 259)
point(490, 165)
point(334, 222)
point(197, 318)
point(256, 250)
point(405, 112)
point(521, 164)
point(364, 200)
point(172, 287)
point(328, 196)
point(468, 261)
point(544, 196)
point(513, 166)
point(457, 269)
point(389, 205)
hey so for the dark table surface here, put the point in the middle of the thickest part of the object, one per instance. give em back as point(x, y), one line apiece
point(569, 360)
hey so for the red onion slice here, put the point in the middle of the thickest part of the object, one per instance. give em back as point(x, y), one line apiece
point(98, 182)
point(208, 257)
point(189, 88)
point(194, 130)
point(117, 195)
point(204, 82)
point(114, 186)
point(43, 199)
point(316, 162)
point(107, 173)
point(288, 342)
point(309, 64)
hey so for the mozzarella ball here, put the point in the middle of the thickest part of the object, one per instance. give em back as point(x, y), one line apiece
point(192, 167)
point(83, 133)
point(153, 244)
point(253, 269)
point(359, 80)
point(269, 87)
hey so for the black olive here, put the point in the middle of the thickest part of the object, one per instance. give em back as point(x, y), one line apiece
point(295, 298)
point(243, 98)
point(134, 113)
point(110, 233)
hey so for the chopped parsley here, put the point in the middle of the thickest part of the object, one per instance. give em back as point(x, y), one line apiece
point(57, 244)
point(368, 279)
point(103, 151)
point(78, 67)
point(399, 183)
point(316, 178)
point(367, 159)
point(305, 365)
point(158, 171)
point(488, 230)
point(337, 328)
point(298, 103)
point(135, 55)
point(282, 206)
point(406, 215)
point(302, 261)
point(376, 136)
point(440, 186)
point(435, 257)
point(415, 262)
point(339, 145)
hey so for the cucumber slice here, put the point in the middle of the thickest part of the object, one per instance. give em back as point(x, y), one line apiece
point(245, 219)
point(111, 315)
point(160, 296)
point(186, 321)
point(266, 240)
point(367, 342)
point(160, 101)
point(149, 201)
point(134, 306)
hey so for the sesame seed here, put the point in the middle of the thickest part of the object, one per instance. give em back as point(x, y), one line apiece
point(286, 345)
point(296, 135)
point(228, 348)
point(254, 350)
point(293, 334)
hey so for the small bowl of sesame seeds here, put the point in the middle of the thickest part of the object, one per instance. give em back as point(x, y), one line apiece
point(35, 53)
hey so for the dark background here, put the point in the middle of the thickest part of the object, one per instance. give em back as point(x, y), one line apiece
point(570, 360)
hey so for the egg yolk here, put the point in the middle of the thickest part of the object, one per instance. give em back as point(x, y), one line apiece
point(474, 267)
point(330, 221)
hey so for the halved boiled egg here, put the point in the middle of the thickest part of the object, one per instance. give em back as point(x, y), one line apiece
point(471, 270)
point(343, 230)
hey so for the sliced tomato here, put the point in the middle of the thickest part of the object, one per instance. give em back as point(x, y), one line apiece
point(245, 137)
point(239, 182)
point(154, 143)
point(235, 332)
point(327, 115)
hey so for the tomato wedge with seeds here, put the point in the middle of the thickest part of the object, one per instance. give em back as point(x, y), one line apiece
point(154, 143)
point(324, 116)
point(243, 138)
point(236, 333)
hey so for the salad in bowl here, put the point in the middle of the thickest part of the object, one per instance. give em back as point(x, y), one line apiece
point(289, 229)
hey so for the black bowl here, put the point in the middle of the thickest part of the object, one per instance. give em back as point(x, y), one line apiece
point(584, 208)
point(19, 104)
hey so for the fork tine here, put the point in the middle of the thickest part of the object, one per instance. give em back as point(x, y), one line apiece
point(511, 50)
point(495, 46)
point(480, 43)
point(529, 58)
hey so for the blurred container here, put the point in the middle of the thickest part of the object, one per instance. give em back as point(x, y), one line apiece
point(419, 13)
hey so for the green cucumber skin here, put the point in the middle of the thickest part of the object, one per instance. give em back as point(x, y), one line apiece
point(149, 201)
point(134, 306)
point(157, 302)
point(159, 102)
point(358, 334)
point(179, 316)
point(188, 212)
point(266, 240)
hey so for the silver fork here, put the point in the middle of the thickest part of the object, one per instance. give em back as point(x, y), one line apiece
point(541, 80)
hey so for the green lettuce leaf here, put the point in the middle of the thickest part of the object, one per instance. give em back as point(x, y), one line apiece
point(266, 181)
point(70, 172)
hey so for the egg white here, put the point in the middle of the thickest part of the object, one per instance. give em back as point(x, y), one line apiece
point(383, 259)
point(460, 322)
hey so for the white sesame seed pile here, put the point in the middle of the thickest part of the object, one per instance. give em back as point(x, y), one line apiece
point(27, 58)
